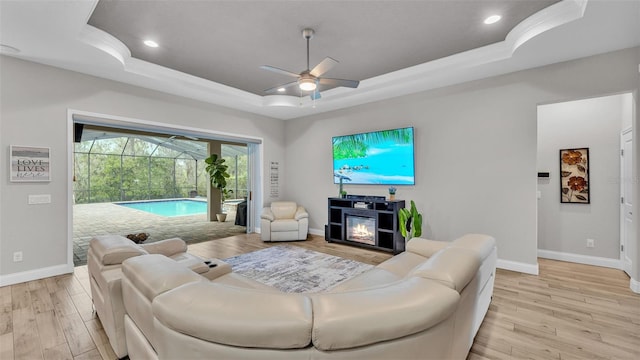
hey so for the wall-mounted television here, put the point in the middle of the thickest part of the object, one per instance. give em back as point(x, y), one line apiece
point(378, 157)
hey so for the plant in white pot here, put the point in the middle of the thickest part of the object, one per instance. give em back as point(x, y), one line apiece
point(410, 222)
point(218, 176)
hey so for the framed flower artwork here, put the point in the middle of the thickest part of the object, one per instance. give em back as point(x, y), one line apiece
point(574, 176)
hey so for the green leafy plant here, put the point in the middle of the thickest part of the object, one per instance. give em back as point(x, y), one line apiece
point(218, 175)
point(410, 222)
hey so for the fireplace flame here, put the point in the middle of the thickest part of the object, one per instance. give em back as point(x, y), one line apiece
point(361, 231)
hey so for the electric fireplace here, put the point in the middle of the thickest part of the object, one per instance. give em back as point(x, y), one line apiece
point(361, 229)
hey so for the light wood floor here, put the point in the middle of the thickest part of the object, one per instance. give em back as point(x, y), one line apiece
point(569, 311)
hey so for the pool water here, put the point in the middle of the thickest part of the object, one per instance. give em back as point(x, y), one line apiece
point(169, 208)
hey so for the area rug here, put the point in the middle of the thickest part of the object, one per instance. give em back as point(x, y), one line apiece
point(293, 269)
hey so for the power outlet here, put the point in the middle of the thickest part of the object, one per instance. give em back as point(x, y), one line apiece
point(17, 256)
point(591, 243)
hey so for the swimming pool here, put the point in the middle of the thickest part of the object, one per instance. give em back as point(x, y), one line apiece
point(169, 208)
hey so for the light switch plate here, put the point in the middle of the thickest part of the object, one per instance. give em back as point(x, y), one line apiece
point(39, 199)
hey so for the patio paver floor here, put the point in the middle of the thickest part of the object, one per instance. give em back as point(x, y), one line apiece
point(90, 220)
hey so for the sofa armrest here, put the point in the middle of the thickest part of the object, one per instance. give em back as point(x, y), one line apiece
point(166, 247)
point(301, 213)
point(267, 214)
point(155, 274)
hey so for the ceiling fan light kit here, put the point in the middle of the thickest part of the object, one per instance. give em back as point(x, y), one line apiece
point(309, 79)
point(307, 84)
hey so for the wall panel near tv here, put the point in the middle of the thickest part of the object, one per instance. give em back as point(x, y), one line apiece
point(384, 157)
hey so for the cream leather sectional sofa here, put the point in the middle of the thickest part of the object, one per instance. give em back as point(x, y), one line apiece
point(425, 303)
point(104, 261)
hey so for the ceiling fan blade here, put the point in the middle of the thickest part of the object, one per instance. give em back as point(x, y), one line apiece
point(339, 82)
point(315, 95)
point(275, 88)
point(324, 66)
point(278, 70)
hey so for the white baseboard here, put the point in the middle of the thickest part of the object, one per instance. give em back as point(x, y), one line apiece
point(35, 274)
point(634, 285)
point(316, 232)
point(580, 259)
point(501, 264)
point(517, 266)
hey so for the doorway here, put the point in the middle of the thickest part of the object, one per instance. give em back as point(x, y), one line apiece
point(146, 162)
point(589, 232)
point(626, 199)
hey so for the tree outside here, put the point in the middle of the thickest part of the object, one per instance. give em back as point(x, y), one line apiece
point(129, 169)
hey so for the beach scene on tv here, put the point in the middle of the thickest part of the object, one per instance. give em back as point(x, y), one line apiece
point(379, 157)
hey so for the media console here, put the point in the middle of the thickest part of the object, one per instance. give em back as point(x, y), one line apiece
point(365, 221)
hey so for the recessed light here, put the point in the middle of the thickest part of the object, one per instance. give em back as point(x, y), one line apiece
point(492, 19)
point(151, 43)
point(281, 89)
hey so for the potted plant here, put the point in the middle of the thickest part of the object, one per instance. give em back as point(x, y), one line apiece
point(410, 222)
point(343, 194)
point(392, 193)
point(218, 176)
point(342, 178)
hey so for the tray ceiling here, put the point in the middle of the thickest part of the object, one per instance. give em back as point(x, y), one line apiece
point(227, 41)
point(211, 50)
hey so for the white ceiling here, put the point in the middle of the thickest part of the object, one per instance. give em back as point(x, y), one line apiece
point(211, 50)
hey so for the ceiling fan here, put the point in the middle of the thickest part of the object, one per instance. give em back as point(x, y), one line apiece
point(308, 80)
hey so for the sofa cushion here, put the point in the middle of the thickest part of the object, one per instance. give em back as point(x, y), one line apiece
point(236, 280)
point(350, 319)
point(483, 244)
point(453, 267)
point(114, 249)
point(371, 278)
point(237, 316)
point(425, 247)
point(167, 247)
point(284, 209)
point(284, 225)
point(154, 274)
point(402, 264)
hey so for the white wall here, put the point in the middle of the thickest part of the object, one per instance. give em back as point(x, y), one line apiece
point(594, 123)
point(627, 111)
point(475, 150)
point(33, 110)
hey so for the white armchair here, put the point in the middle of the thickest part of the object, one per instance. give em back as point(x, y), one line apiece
point(284, 221)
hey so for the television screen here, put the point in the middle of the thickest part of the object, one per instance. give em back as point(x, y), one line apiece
point(379, 157)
